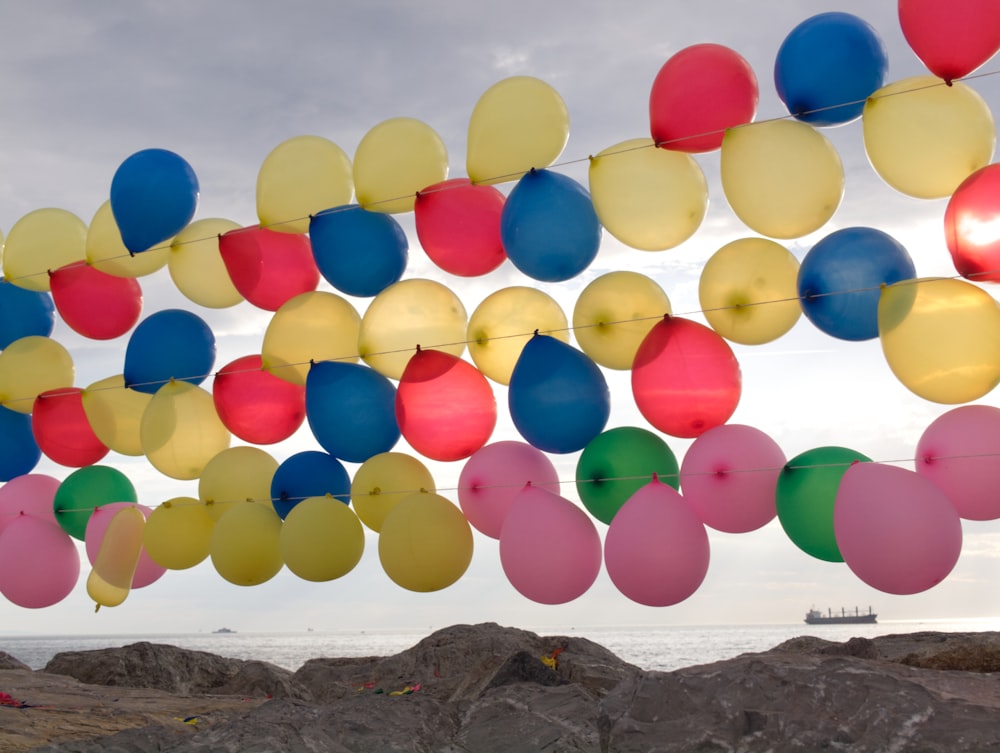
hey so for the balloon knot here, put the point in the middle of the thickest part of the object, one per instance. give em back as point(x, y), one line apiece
point(656, 476)
point(532, 171)
point(97, 608)
point(948, 82)
point(418, 347)
point(536, 331)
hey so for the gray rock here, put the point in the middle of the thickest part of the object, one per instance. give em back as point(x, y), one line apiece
point(10, 662)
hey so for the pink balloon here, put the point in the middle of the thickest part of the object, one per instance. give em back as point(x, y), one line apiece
point(458, 225)
point(960, 452)
point(268, 267)
point(30, 494)
point(93, 303)
point(549, 548)
point(39, 562)
point(656, 550)
point(951, 37)
point(255, 405)
point(729, 476)
point(896, 530)
point(493, 476)
point(62, 429)
point(146, 571)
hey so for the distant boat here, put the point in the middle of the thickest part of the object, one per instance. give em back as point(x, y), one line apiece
point(815, 617)
point(223, 631)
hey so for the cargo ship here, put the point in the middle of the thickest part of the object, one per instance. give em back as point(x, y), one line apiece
point(857, 617)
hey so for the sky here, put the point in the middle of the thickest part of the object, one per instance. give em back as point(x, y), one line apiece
point(223, 83)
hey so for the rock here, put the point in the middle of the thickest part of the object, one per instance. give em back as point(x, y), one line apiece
point(9, 662)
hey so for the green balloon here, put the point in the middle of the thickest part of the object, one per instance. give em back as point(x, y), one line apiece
point(616, 463)
point(805, 496)
point(85, 489)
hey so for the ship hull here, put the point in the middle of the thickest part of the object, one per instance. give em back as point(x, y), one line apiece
point(863, 619)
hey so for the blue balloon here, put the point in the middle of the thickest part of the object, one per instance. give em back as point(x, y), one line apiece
point(548, 226)
point(19, 452)
point(170, 344)
point(360, 253)
point(308, 474)
point(154, 194)
point(351, 410)
point(827, 66)
point(558, 397)
point(24, 313)
point(840, 280)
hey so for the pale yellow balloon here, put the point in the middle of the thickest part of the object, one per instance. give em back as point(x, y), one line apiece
point(299, 178)
point(321, 539)
point(40, 242)
point(749, 291)
point(106, 251)
point(181, 431)
point(924, 138)
point(32, 365)
point(196, 265)
point(110, 580)
point(396, 159)
point(115, 413)
point(235, 475)
point(408, 314)
point(385, 479)
point(245, 548)
point(613, 315)
point(313, 326)
point(504, 321)
point(782, 178)
point(650, 199)
point(519, 123)
point(178, 533)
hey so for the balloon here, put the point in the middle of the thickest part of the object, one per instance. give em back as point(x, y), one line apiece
point(180, 430)
point(805, 495)
point(493, 475)
point(549, 227)
point(28, 494)
point(154, 194)
point(941, 338)
point(685, 378)
point(841, 277)
point(517, 124)
point(952, 39)
point(254, 404)
point(613, 315)
point(827, 66)
point(444, 406)
point(383, 481)
point(115, 562)
point(458, 226)
point(359, 252)
point(95, 304)
point(62, 430)
point(656, 550)
point(178, 533)
point(558, 397)
point(300, 177)
point(19, 452)
point(617, 463)
point(896, 530)
point(147, 571)
point(698, 93)
point(351, 410)
point(926, 142)
point(196, 266)
point(650, 199)
point(236, 475)
point(311, 327)
point(970, 226)
point(308, 474)
point(106, 251)
point(30, 366)
point(86, 489)
point(549, 548)
point(39, 564)
point(24, 313)
point(782, 178)
point(425, 543)
point(268, 267)
point(171, 344)
point(115, 414)
point(748, 291)
point(321, 539)
point(406, 314)
point(245, 545)
point(39, 242)
point(502, 323)
point(396, 159)
point(729, 477)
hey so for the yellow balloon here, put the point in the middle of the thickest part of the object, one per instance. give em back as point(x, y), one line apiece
point(237, 474)
point(115, 413)
point(196, 265)
point(180, 430)
point(321, 539)
point(382, 481)
point(782, 178)
point(613, 315)
point(106, 251)
point(928, 139)
point(312, 326)
point(504, 321)
point(749, 291)
point(648, 198)
point(407, 314)
point(299, 178)
point(518, 123)
point(425, 544)
point(245, 547)
point(110, 580)
point(41, 242)
point(178, 533)
point(396, 159)
point(941, 338)
point(32, 365)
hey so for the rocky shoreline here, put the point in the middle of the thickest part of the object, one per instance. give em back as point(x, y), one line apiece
point(491, 689)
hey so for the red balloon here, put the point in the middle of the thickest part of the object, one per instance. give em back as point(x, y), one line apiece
point(699, 93)
point(268, 267)
point(951, 37)
point(972, 225)
point(685, 378)
point(62, 430)
point(445, 408)
point(458, 225)
point(93, 303)
point(255, 405)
